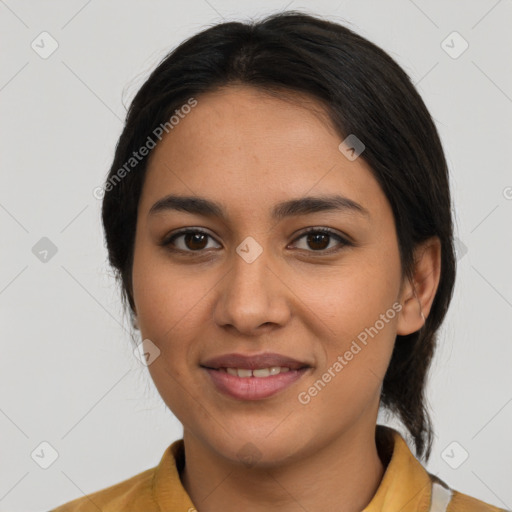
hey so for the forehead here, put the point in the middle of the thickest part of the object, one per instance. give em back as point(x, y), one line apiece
point(243, 146)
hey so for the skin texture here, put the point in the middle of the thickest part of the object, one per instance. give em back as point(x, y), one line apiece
point(248, 150)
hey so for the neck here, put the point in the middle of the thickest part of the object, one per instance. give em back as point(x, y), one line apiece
point(343, 476)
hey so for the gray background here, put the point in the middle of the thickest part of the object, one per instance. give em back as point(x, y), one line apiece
point(69, 377)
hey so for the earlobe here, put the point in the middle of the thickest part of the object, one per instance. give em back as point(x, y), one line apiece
point(135, 322)
point(417, 297)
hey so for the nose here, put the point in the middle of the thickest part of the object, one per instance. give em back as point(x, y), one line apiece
point(252, 298)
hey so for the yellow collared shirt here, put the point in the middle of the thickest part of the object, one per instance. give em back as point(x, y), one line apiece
point(405, 487)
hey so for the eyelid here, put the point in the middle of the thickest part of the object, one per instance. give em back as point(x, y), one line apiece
point(343, 240)
point(175, 234)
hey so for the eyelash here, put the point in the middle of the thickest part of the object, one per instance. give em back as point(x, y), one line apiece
point(167, 242)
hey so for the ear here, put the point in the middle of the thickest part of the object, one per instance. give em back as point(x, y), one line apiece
point(417, 297)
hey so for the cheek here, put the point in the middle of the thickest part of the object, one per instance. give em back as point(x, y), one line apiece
point(361, 312)
point(349, 378)
point(169, 312)
point(166, 295)
point(354, 297)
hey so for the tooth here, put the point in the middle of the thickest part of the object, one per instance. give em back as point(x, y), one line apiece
point(262, 372)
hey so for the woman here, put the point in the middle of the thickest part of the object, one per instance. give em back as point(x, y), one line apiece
point(278, 213)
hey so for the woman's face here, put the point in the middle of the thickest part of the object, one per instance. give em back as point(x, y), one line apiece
point(323, 311)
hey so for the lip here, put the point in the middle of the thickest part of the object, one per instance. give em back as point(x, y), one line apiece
point(253, 388)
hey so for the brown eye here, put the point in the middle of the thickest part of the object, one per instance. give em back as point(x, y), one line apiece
point(316, 240)
point(319, 239)
point(191, 240)
point(195, 241)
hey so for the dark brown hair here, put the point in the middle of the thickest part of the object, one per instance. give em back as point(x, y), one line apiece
point(366, 93)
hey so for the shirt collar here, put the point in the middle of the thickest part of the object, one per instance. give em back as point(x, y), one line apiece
point(405, 486)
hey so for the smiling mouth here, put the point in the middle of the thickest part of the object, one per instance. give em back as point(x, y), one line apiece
point(253, 384)
point(253, 376)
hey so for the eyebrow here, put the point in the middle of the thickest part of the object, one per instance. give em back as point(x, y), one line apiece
point(294, 207)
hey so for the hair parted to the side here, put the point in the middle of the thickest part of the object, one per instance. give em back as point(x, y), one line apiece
point(366, 93)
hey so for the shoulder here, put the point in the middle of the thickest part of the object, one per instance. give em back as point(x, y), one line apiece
point(445, 499)
point(406, 483)
point(464, 503)
point(126, 495)
point(152, 490)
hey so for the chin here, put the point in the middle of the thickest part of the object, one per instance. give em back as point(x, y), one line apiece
point(254, 451)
